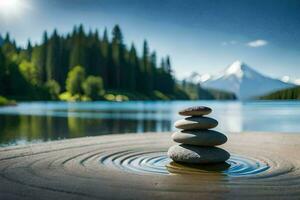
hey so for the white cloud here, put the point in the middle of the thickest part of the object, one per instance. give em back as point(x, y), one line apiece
point(257, 43)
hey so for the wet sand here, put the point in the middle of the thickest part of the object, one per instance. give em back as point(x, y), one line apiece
point(111, 167)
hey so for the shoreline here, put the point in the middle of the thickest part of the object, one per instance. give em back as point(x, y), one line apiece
point(41, 142)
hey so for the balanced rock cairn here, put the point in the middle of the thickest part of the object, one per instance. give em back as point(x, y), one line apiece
point(197, 141)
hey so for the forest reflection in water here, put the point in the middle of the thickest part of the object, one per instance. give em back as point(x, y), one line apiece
point(25, 128)
point(45, 121)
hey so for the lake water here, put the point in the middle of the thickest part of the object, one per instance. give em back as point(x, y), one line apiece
point(45, 121)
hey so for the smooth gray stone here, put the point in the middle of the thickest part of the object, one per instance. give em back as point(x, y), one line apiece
point(191, 154)
point(195, 123)
point(195, 111)
point(199, 137)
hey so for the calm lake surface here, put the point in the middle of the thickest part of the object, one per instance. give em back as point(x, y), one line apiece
point(45, 121)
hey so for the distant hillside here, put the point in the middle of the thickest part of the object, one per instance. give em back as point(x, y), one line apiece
point(286, 94)
point(195, 92)
point(221, 95)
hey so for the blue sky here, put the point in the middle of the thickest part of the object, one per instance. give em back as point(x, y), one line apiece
point(201, 36)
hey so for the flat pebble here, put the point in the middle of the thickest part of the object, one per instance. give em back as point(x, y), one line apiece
point(194, 123)
point(199, 137)
point(185, 153)
point(195, 111)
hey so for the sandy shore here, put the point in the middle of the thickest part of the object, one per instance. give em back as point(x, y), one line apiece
point(99, 168)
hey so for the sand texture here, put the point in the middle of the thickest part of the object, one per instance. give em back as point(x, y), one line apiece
point(132, 166)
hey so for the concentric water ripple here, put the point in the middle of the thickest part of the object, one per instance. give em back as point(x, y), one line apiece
point(262, 166)
point(159, 163)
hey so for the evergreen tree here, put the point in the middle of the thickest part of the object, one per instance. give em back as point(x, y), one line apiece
point(285, 94)
point(145, 58)
point(117, 56)
point(9, 49)
point(133, 66)
point(1, 40)
point(94, 54)
point(152, 70)
point(29, 49)
point(105, 51)
point(168, 65)
point(39, 57)
point(7, 38)
point(44, 68)
point(53, 58)
point(2, 72)
point(78, 50)
point(146, 70)
point(16, 85)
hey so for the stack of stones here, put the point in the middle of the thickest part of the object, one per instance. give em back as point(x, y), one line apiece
point(197, 141)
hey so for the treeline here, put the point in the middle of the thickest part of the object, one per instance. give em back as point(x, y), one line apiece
point(286, 94)
point(87, 66)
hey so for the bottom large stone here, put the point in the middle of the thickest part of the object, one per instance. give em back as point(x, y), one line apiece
point(185, 153)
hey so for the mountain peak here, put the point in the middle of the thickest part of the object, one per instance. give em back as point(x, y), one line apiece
point(239, 69)
point(235, 67)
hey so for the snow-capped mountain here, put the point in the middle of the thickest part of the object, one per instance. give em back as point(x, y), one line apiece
point(244, 81)
point(197, 78)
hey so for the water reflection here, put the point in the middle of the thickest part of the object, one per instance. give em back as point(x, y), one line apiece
point(43, 121)
point(19, 129)
point(177, 168)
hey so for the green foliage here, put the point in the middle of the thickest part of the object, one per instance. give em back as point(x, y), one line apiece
point(2, 72)
point(53, 88)
point(180, 93)
point(38, 59)
point(130, 95)
point(39, 71)
point(9, 49)
point(74, 81)
point(53, 57)
point(78, 51)
point(160, 95)
point(29, 71)
point(286, 94)
point(67, 96)
point(117, 97)
point(4, 101)
point(93, 87)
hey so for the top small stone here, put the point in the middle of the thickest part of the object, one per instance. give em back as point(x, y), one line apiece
point(195, 111)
